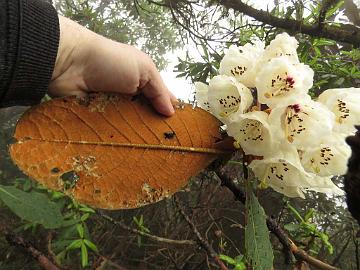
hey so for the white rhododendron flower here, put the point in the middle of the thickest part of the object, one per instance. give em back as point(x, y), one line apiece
point(280, 82)
point(329, 157)
point(301, 141)
point(283, 173)
point(302, 125)
point(282, 46)
point(227, 96)
point(201, 95)
point(344, 103)
point(239, 63)
point(252, 132)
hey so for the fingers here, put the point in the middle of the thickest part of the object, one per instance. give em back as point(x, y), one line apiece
point(158, 94)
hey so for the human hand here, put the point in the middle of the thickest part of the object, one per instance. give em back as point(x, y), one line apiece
point(87, 62)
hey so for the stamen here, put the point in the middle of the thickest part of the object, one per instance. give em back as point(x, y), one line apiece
point(280, 85)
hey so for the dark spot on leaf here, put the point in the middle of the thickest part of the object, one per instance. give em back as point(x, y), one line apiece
point(55, 170)
point(84, 101)
point(97, 191)
point(169, 134)
point(111, 136)
point(69, 179)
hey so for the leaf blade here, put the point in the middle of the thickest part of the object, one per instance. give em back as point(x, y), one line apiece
point(259, 252)
point(32, 206)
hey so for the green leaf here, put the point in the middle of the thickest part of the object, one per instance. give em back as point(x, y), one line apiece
point(74, 244)
point(325, 238)
point(240, 266)
point(57, 195)
point(32, 206)
point(259, 252)
point(309, 214)
point(87, 209)
point(291, 227)
point(84, 217)
point(332, 10)
point(227, 259)
point(80, 229)
point(27, 185)
point(91, 245)
point(323, 42)
point(84, 255)
point(239, 258)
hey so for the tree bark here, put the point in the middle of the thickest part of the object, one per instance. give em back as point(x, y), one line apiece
point(343, 33)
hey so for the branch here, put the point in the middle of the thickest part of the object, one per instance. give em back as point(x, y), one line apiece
point(344, 33)
point(17, 241)
point(203, 243)
point(274, 227)
point(148, 235)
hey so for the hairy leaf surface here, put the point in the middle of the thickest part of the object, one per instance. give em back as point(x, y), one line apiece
point(112, 151)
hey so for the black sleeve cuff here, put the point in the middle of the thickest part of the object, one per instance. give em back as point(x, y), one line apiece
point(37, 40)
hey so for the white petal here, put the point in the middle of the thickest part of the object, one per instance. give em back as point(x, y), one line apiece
point(344, 103)
point(252, 132)
point(227, 96)
point(282, 46)
point(328, 158)
point(280, 82)
point(325, 185)
point(302, 125)
point(239, 63)
point(201, 95)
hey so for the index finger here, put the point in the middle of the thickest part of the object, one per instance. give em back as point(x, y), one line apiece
point(158, 94)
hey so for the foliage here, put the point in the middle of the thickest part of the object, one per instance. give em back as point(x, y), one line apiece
point(237, 262)
point(131, 22)
point(36, 205)
point(305, 230)
point(140, 223)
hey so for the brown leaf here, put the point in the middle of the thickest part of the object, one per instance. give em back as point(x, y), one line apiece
point(112, 151)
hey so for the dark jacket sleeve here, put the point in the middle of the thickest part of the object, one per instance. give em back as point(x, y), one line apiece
point(29, 38)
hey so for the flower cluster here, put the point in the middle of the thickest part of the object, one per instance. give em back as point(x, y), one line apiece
point(299, 142)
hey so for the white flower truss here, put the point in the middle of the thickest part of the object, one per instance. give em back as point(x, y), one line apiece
point(297, 144)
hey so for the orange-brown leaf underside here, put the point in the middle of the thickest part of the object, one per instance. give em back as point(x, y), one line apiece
point(113, 151)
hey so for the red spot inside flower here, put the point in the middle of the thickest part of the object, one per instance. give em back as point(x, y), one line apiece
point(295, 107)
point(290, 80)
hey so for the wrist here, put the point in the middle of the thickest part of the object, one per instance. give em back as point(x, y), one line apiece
point(73, 48)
